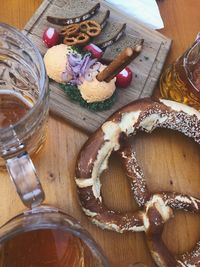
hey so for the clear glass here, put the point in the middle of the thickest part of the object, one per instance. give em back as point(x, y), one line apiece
point(48, 237)
point(181, 80)
point(24, 106)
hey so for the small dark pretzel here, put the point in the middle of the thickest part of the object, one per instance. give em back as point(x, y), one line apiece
point(70, 30)
point(91, 27)
point(79, 39)
point(82, 38)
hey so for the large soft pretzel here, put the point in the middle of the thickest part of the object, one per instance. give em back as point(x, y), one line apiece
point(142, 115)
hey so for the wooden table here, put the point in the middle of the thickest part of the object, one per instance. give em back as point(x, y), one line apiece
point(170, 161)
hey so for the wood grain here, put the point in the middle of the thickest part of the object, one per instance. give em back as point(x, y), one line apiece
point(170, 160)
point(146, 67)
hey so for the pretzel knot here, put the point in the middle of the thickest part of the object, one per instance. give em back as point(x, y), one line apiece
point(70, 30)
point(91, 27)
point(156, 209)
point(79, 39)
point(79, 34)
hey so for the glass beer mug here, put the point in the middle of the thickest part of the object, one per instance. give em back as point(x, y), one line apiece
point(42, 236)
point(45, 236)
point(181, 80)
point(24, 105)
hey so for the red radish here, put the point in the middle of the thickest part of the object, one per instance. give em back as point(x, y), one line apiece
point(124, 78)
point(51, 37)
point(94, 50)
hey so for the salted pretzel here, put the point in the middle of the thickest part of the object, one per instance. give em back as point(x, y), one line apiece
point(79, 39)
point(156, 208)
point(70, 30)
point(90, 27)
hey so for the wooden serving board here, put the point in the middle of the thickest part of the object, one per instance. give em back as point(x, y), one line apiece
point(146, 67)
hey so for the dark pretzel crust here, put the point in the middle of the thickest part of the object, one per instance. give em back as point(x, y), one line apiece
point(79, 39)
point(91, 27)
point(157, 208)
point(70, 30)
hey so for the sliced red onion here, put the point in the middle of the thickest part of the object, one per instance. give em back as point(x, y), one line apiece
point(91, 63)
point(80, 68)
point(88, 76)
point(96, 66)
point(76, 69)
point(74, 59)
point(84, 66)
point(89, 67)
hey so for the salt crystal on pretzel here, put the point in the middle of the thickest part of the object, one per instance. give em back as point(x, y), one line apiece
point(141, 115)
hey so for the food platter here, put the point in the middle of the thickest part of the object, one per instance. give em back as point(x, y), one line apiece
point(146, 67)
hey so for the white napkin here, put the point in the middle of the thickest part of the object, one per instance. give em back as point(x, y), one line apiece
point(144, 11)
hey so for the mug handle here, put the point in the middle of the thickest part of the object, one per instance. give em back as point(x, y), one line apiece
point(26, 180)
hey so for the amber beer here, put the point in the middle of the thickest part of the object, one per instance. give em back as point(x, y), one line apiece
point(47, 237)
point(12, 108)
point(24, 93)
point(45, 248)
point(24, 106)
point(181, 80)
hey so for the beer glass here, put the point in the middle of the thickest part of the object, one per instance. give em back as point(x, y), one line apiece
point(45, 236)
point(181, 80)
point(24, 105)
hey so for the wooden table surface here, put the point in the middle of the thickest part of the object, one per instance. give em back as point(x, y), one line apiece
point(170, 161)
